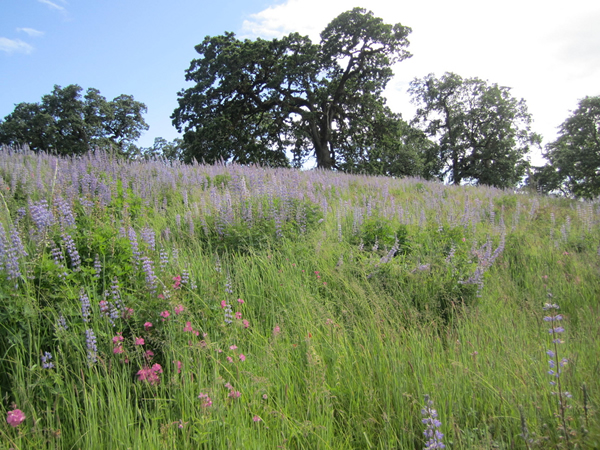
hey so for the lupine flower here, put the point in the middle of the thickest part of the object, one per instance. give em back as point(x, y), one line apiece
point(15, 417)
point(431, 433)
point(46, 360)
point(61, 323)
point(92, 349)
point(97, 267)
point(151, 279)
point(85, 306)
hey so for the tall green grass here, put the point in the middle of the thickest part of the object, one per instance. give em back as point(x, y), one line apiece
point(342, 343)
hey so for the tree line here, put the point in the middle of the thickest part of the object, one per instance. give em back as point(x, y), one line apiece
point(288, 101)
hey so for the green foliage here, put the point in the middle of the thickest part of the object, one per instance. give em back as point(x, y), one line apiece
point(253, 101)
point(381, 232)
point(483, 133)
point(64, 123)
point(574, 160)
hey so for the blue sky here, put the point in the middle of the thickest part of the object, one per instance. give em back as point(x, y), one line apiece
point(548, 51)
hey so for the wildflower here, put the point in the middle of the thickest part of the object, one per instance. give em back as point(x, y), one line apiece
point(127, 313)
point(265, 396)
point(165, 315)
point(178, 364)
point(118, 338)
point(242, 357)
point(179, 309)
point(148, 325)
point(206, 400)
point(15, 417)
point(240, 301)
point(235, 394)
point(276, 330)
point(92, 349)
point(118, 350)
point(238, 315)
point(149, 354)
point(150, 374)
point(61, 323)
point(139, 341)
point(433, 436)
point(177, 280)
point(233, 347)
point(256, 419)
point(229, 359)
point(223, 304)
point(85, 305)
point(188, 327)
point(46, 360)
point(246, 323)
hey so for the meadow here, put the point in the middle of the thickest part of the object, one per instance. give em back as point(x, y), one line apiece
point(149, 304)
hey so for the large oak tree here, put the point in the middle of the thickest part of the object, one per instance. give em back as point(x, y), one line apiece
point(258, 101)
point(483, 133)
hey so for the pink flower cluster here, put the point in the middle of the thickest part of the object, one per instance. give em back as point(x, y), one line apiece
point(206, 401)
point(15, 417)
point(150, 374)
point(232, 392)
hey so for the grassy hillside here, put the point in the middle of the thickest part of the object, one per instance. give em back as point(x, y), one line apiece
point(144, 305)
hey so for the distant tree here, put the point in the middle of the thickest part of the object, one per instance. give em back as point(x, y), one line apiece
point(395, 149)
point(574, 158)
point(161, 148)
point(65, 123)
point(483, 133)
point(258, 101)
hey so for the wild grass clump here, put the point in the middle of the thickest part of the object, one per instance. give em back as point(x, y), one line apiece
point(144, 304)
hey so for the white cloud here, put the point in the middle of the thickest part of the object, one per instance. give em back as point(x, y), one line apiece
point(548, 51)
point(31, 32)
point(53, 5)
point(14, 46)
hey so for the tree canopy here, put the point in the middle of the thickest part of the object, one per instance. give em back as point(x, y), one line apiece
point(65, 123)
point(258, 101)
point(483, 134)
point(574, 157)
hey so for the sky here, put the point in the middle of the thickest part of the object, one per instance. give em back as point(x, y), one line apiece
point(547, 52)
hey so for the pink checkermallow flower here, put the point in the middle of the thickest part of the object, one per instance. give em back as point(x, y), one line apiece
point(165, 315)
point(223, 304)
point(238, 315)
point(118, 350)
point(240, 301)
point(178, 364)
point(188, 327)
point(148, 325)
point(179, 309)
point(229, 359)
point(242, 357)
point(276, 330)
point(246, 323)
point(118, 338)
point(256, 419)
point(233, 347)
point(15, 417)
point(139, 341)
point(177, 281)
point(235, 394)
